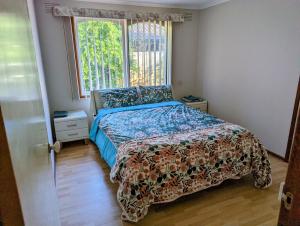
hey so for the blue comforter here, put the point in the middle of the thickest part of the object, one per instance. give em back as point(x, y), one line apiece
point(114, 126)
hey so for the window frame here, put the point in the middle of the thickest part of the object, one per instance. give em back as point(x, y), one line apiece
point(125, 48)
point(75, 44)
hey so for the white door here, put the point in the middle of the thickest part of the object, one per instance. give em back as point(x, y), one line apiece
point(23, 111)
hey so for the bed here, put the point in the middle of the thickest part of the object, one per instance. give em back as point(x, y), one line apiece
point(160, 149)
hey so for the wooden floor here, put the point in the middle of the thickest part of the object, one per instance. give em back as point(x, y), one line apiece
point(88, 198)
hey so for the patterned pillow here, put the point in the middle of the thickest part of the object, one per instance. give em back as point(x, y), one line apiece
point(113, 98)
point(155, 94)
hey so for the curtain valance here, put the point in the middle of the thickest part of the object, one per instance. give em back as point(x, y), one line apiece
point(115, 14)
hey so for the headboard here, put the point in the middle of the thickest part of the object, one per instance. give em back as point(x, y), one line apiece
point(124, 97)
point(113, 98)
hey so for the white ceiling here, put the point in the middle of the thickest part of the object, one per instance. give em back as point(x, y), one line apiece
point(186, 4)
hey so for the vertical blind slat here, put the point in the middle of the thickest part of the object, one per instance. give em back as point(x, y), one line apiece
point(109, 69)
point(138, 52)
point(125, 60)
point(160, 45)
point(113, 74)
point(149, 51)
point(144, 52)
point(130, 53)
point(164, 49)
point(89, 59)
point(102, 60)
point(155, 53)
point(168, 51)
point(95, 63)
point(164, 31)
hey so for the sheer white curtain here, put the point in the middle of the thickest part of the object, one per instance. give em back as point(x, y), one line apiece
point(149, 44)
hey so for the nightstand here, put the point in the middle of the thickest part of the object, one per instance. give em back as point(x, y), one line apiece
point(72, 127)
point(201, 105)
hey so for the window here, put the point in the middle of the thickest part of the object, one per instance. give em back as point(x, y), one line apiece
point(113, 53)
point(148, 53)
point(100, 53)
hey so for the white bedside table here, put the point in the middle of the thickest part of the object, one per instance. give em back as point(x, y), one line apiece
point(73, 127)
point(201, 105)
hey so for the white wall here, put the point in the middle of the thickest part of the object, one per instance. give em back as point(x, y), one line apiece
point(249, 65)
point(243, 56)
point(55, 58)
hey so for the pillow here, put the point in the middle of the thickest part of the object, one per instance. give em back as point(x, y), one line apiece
point(155, 94)
point(113, 98)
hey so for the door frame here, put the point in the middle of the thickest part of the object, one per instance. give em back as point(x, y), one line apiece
point(293, 123)
point(289, 214)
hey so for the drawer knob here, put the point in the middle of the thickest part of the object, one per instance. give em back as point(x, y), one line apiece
point(72, 134)
point(72, 125)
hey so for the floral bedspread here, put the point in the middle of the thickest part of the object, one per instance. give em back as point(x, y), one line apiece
point(175, 150)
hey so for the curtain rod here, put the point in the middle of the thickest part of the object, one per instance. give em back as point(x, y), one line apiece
point(63, 11)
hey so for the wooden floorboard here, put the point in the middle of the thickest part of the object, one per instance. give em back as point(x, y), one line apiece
point(88, 198)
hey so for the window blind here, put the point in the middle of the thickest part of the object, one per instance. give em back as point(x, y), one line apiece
point(149, 43)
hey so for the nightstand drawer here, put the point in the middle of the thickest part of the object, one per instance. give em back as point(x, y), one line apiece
point(71, 125)
point(74, 134)
point(202, 106)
